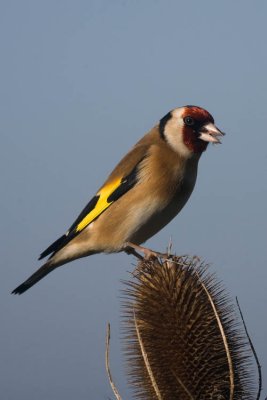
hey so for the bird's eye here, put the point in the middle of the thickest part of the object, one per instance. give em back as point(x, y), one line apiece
point(189, 121)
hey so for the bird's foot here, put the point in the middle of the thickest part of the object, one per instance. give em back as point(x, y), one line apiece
point(131, 248)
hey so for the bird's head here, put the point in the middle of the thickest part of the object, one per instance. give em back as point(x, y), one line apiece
point(189, 129)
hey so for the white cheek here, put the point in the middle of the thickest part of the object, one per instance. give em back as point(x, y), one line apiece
point(173, 133)
point(175, 139)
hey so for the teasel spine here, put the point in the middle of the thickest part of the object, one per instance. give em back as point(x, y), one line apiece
point(182, 336)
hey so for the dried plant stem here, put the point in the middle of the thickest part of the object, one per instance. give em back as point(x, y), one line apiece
point(253, 351)
point(145, 357)
point(113, 387)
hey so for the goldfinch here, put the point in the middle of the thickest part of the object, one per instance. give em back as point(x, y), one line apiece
point(145, 191)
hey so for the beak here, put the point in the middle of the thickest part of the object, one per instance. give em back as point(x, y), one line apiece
point(210, 133)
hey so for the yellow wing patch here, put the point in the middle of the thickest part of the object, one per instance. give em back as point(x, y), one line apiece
point(101, 205)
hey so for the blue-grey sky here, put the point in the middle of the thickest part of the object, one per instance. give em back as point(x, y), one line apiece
point(81, 81)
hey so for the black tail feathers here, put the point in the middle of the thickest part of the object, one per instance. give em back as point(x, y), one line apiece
point(55, 246)
point(34, 278)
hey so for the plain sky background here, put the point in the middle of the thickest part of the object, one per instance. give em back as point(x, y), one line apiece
point(80, 83)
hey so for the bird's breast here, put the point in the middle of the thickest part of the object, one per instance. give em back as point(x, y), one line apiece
point(162, 206)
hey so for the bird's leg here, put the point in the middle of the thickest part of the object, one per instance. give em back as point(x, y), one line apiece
point(131, 248)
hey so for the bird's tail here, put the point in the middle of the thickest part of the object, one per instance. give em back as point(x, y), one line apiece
point(36, 277)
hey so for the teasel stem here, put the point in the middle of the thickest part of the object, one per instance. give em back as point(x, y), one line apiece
point(112, 384)
point(253, 350)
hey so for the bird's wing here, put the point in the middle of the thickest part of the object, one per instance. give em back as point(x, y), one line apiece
point(122, 179)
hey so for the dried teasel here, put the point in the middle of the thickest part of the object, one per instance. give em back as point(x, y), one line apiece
point(183, 338)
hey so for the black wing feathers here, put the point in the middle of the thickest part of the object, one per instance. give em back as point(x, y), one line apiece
point(53, 247)
point(127, 183)
point(87, 209)
point(64, 239)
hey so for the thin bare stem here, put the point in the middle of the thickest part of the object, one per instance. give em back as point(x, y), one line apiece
point(253, 351)
point(169, 248)
point(113, 387)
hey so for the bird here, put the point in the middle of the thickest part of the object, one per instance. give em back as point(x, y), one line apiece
point(145, 191)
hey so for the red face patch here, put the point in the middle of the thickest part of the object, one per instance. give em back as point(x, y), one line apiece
point(195, 118)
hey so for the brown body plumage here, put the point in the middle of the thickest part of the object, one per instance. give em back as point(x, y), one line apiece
point(171, 181)
point(145, 191)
